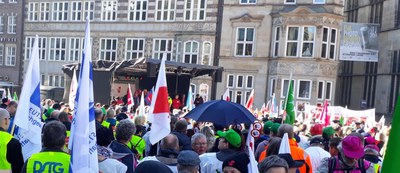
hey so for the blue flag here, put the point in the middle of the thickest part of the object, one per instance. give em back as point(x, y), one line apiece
point(28, 113)
point(83, 130)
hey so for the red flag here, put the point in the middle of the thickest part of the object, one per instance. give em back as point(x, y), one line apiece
point(324, 118)
point(250, 101)
point(129, 96)
point(160, 109)
point(226, 96)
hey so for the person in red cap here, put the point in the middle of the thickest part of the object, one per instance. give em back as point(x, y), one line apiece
point(349, 160)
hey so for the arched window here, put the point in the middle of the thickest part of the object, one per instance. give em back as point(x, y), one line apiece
point(203, 91)
point(191, 51)
point(207, 56)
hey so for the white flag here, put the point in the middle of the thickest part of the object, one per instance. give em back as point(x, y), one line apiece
point(72, 92)
point(226, 96)
point(9, 96)
point(141, 105)
point(83, 130)
point(160, 110)
point(29, 113)
point(252, 166)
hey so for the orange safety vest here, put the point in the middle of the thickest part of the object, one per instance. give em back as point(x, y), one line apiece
point(297, 154)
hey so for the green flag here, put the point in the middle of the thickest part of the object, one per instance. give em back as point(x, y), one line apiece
point(392, 159)
point(289, 107)
point(341, 120)
point(15, 97)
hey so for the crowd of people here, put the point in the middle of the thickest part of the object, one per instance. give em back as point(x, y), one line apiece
point(123, 144)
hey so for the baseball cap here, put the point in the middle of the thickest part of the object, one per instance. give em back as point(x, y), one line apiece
point(352, 147)
point(328, 131)
point(268, 125)
point(317, 140)
point(188, 158)
point(231, 136)
point(238, 161)
point(275, 127)
point(316, 129)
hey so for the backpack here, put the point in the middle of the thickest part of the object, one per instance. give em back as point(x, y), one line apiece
point(333, 167)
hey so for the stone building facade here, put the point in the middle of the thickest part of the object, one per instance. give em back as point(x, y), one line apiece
point(265, 41)
point(122, 30)
point(11, 34)
point(375, 84)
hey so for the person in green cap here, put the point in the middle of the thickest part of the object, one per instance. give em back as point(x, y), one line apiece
point(327, 134)
point(262, 141)
point(229, 144)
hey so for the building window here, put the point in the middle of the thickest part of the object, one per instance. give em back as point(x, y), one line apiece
point(191, 51)
point(60, 11)
point(11, 55)
point(88, 10)
point(56, 81)
point(207, 55)
point(137, 10)
point(352, 10)
point(371, 69)
point(109, 10)
point(1, 54)
point(328, 90)
point(51, 81)
point(245, 41)
point(76, 11)
point(304, 89)
point(272, 87)
point(165, 10)
point(108, 49)
point(75, 49)
point(162, 46)
point(285, 85)
point(57, 49)
point(13, 1)
point(42, 47)
point(276, 41)
point(300, 38)
point(12, 24)
point(376, 11)
point(320, 90)
point(397, 17)
point(203, 91)
point(395, 80)
point(290, 1)
point(239, 81)
point(231, 80)
point(248, 1)
point(329, 37)
point(44, 11)
point(249, 82)
point(42, 79)
point(33, 10)
point(179, 51)
point(195, 10)
point(319, 1)
point(1, 24)
point(193, 89)
point(134, 48)
point(238, 97)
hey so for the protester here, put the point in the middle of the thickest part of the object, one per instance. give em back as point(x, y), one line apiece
point(53, 140)
point(236, 164)
point(63, 118)
point(294, 165)
point(327, 135)
point(3, 104)
point(12, 109)
point(176, 103)
point(199, 143)
point(333, 146)
point(10, 148)
point(123, 134)
point(168, 152)
point(262, 141)
point(209, 133)
point(316, 151)
point(351, 153)
point(188, 162)
point(198, 100)
point(180, 132)
point(372, 155)
point(273, 164)
point(106, 163)
point(229, 145)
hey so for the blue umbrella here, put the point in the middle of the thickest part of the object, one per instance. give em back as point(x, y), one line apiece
point(221, 112)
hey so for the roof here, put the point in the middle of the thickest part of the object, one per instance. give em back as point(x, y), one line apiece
point(140, 66)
